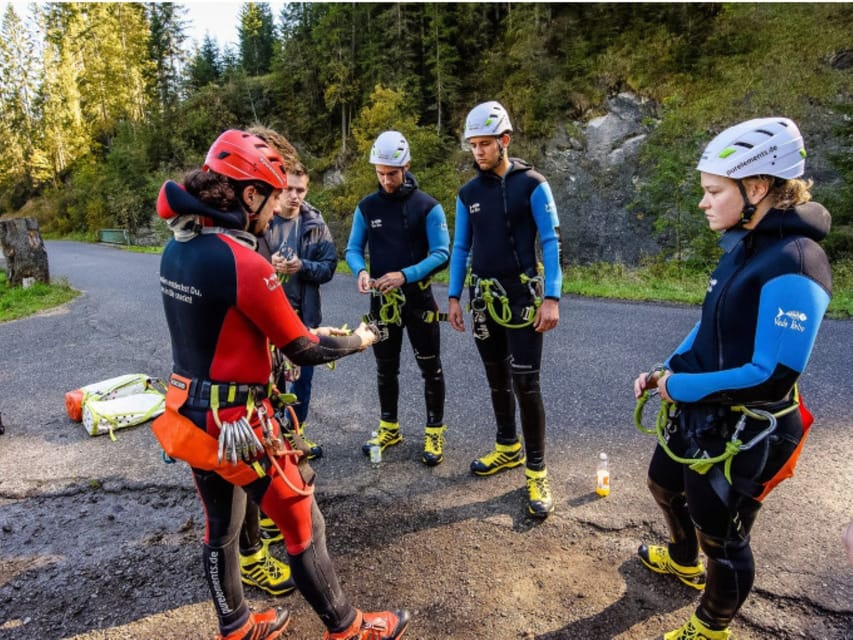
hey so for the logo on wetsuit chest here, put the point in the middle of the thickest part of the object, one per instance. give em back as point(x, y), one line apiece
point(790, 320)
point(474, 208)
point(376, 223)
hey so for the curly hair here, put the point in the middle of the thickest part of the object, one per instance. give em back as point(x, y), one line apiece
point(214, 189)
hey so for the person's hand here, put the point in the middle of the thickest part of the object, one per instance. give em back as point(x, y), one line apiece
point(657, 380)
point(278, 263)
point(331, 331)
point(389, 281)
point(364, 282)
point(294, 265)
point(367, 335)
point(454, 315)
point(848, 543)
point(547, 316)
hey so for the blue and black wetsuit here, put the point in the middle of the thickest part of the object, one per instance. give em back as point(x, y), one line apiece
point(760, 318)
point(497, 222)
point(404, 231)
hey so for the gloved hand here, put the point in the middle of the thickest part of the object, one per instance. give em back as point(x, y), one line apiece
point(369, 334)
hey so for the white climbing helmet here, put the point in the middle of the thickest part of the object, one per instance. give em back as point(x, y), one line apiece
point(390, 149)
point(759, 147)
point(487, 119)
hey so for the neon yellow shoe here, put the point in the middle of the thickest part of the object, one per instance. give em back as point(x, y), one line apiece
point(695, 629)
point(504, 456)
point(269, 531)
point(657, 558)
point(314, 450)
point(264, 571)
point(540, 503)
point(433, 446)
point(387, 435)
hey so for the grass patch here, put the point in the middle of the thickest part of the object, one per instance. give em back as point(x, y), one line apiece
point(17, 302)
point(137, 249)
point(679, 284)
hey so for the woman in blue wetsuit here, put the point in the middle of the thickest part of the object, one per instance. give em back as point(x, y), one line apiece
point(733, 377)
point(499, 214)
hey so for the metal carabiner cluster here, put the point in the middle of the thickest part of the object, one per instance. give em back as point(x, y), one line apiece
point(237, 441)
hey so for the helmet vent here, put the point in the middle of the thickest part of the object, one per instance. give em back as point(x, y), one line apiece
point(222, 155)
point(765, 132)
point(745, 145)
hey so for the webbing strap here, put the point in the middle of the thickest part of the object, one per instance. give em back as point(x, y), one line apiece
point(434, 316)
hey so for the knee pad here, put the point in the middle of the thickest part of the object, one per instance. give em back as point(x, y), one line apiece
point(526, 383)
point(387, 367)
point(730, 575)
point(678, 521)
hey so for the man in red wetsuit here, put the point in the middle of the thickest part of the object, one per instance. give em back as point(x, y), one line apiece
point(224, 305)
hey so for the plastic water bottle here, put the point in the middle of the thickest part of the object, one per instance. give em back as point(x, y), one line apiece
point(602, 476)
point(375, 450)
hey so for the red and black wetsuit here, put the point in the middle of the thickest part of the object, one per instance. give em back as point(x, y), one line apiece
point(224, 304)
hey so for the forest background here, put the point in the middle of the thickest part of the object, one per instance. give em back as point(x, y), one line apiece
point(102, 102)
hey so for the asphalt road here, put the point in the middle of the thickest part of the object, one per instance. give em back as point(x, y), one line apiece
point(117, 326)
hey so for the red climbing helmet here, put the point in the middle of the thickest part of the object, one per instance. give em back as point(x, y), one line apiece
point(243, 156)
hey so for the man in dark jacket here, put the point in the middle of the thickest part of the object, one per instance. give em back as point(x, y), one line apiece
point(301, 249)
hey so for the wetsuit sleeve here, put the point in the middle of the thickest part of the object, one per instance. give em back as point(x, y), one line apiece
point(685, 345)
point(356, 243)
point(545, 215)
point(439, 247)
point(321, 261)
point(261, 298)
point(306, 353)
point(461, 250)
point(790, 311)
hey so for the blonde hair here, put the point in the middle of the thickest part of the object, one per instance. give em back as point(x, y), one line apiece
point(278, 142)
point(788, 193)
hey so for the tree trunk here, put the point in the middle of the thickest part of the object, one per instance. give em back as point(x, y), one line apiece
point(24, 251)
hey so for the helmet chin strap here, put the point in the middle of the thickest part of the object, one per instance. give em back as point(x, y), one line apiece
point(252, 216)
point(748, 208)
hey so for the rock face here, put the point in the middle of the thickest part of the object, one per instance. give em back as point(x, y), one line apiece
point(593, 180)
point(593, 174)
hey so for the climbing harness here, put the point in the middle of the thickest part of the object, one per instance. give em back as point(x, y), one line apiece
point(236, 454)
point(666, 421)
point(433, 316)
point(488, 294)
point(390, 304)
point(283, 367)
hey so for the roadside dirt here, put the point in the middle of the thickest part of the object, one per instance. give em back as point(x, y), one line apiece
point(457, 551)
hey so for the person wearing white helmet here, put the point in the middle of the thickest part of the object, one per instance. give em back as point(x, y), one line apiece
point(499, 215)
point(740, 422)
point(404, 230)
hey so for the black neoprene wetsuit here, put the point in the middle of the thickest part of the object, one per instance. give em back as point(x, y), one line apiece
point(497, 223)
point(760, 318)
point(404, 231)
